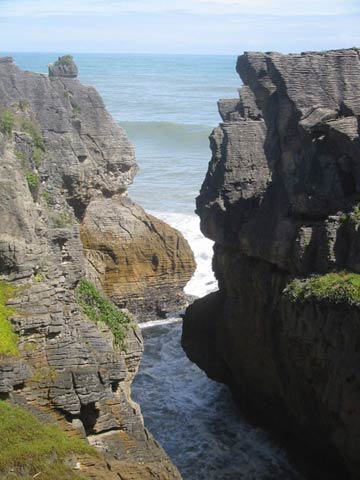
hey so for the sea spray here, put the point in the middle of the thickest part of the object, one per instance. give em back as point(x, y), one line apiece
point(203, 280)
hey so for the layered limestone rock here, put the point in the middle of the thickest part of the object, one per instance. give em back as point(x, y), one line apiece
point(139, 261)
point(280, 200)
point(60, 151)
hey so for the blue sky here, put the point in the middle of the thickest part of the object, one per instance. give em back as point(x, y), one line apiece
point(173, 26)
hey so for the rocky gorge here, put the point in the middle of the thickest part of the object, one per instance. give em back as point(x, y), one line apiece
point(281, 201)
point(65, 215)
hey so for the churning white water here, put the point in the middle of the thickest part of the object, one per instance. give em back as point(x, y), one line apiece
point(203, 281)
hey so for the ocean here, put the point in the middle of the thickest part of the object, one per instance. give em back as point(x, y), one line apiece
point(167, 104)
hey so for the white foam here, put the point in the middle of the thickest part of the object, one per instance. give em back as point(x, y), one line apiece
point(203, 280)
point(156, 323)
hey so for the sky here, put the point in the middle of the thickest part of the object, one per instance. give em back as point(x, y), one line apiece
point(178, 26)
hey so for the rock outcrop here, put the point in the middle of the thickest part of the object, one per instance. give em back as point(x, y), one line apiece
point(60, 155)
point(280, 200)
point(138, 261)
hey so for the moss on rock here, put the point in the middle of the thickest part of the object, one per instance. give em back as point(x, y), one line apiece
point(338, 287)
point(8, 339)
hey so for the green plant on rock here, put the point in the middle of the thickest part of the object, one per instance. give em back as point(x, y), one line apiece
point(39, 277)
point(100, 309)
point(337, 287)
point(76, 109)
point(37, 156)
point(7, 122)
point(64, 60)
point(32, 129)
point(32, 181)
point(8, 339)
point(23, 105)
point(31, 449)
point(44, 374)
point(22, 157)
point(47, 197)
point(61, 219)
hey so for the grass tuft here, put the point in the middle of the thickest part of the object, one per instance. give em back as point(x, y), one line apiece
point(100, 309)
point(7, 122)
point(31, 449)
point(8, 339)
point(33, 181)
point(337, 287)
point(33, 129)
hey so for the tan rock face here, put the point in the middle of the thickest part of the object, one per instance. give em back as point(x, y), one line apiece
point(140, 262)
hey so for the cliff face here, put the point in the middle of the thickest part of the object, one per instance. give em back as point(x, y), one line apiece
point(280, 200)
point(61, 158)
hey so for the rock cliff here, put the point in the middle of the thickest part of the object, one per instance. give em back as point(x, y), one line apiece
point(281, 201)
point(65, 167)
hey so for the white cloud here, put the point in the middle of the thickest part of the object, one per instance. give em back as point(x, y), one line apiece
point(198, 7)
point(284, 7)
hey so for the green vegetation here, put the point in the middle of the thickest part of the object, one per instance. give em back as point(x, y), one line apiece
point(47, 197)
point(61, 219)
point(64, 60)
point(8, 339)
point(37, 156)
point(44, 374)
point(32, 181)
point(353, 216)
point(337, 287)
point(100, 309)
point(39, 277)
point(7, 122)
point(22, 157)
point(32, 129)
point(23, 105)
point(76, 109)
point(31, 449)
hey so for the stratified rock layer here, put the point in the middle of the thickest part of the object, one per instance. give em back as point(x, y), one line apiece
point(139, 261)
point(280, 200)
point(59, 151)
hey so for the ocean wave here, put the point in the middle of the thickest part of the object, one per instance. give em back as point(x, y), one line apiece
point(196, 135)
point(161, 322)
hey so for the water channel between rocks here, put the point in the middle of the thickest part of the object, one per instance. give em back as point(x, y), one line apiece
point(195, 419)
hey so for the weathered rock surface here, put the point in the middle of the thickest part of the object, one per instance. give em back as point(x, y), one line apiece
point(280, 200)
point(138, 260)
point(64, 151)
point(64, 67)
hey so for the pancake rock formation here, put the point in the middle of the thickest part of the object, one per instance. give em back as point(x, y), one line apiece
point(64, 162)
point(281, 201)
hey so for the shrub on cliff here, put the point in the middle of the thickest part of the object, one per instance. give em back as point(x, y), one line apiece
point(100, 309)
point(7, 122)
point(32, 129)
point(33, 182)
point(337, 287)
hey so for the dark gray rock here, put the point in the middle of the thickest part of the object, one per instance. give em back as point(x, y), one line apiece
point(64, 67)
point(280, 200)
